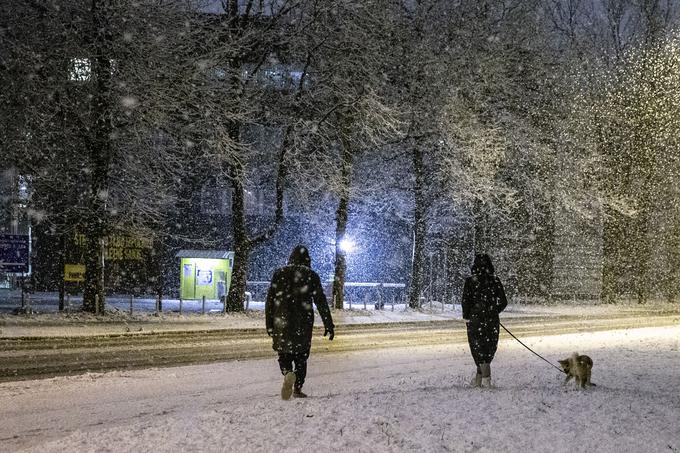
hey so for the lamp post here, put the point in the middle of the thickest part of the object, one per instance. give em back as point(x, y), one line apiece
point(343, 246)
point(347, 245)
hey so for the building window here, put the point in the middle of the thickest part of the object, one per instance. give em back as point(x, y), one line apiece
point(216, 200)
point(80, 70)
point(255, 201)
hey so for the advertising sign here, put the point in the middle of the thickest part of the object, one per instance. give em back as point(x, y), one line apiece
point(14, 253)
point(74, 272)
point(204, 277)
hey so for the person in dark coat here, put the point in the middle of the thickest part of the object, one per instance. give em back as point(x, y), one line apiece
point(289, 314)
point(483, 299)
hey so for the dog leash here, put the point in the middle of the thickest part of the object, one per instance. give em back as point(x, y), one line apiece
point(537, 354)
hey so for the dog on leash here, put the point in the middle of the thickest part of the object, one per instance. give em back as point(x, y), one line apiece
point(578, 367)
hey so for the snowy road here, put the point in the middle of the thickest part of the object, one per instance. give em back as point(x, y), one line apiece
point(26, 357)
point(399, 399)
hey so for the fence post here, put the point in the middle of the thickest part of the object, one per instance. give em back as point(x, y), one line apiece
point(446, 279)
point(224, 305)
point(203, 305)
point(68, 303)
point(180, 305)
point(394, 296)
point(131, 300)
point(365, 297)
point(350, 303)
point(96, 304)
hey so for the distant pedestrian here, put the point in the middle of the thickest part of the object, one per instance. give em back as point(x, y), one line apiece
point(483, 299)
point(290, 317)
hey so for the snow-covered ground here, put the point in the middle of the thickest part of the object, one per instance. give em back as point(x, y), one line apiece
point(120, 321)
point(117, 321)
point(410, 399)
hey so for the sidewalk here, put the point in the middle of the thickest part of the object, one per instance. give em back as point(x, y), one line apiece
point(117, 321)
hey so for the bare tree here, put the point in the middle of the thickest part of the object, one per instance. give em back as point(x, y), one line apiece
point(90, 121)
point(346, 108)
point(634, 122)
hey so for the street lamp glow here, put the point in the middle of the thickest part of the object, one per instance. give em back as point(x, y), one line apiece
point(347, 245)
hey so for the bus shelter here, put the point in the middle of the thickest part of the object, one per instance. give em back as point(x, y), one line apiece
point(205, 273)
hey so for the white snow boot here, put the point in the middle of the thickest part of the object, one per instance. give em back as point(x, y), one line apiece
point(287, 386)
point(486, 374)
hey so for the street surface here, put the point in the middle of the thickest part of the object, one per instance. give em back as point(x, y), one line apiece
point(30, 357)
point(389, 389)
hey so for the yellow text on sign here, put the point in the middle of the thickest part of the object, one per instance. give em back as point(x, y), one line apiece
point(74, 272)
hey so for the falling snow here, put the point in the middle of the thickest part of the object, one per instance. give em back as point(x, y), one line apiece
point(396, 140)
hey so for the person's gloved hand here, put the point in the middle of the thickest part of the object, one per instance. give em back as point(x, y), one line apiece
point(330, 332)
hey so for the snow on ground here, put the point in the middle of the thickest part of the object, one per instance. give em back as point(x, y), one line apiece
point(390, 400)
point(119, 321)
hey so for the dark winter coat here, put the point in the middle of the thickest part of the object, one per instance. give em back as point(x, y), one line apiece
point(483, 299)
point(289, 311)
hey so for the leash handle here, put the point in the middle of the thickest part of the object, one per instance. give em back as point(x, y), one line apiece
point(534, 352)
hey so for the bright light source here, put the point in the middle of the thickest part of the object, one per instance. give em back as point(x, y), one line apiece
point(347, 245)
point(80, 70)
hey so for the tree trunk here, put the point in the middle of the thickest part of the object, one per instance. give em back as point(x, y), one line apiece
point(341, 217)
point(93, 295)
point(481, 229)
point(673, 267)
point(640, 253)
point(545, 240)
point(242, 246)
point(419, 230)
point(243, 243)
point(237, 289)
point(61, 263)
point(100, 160)
point(611, 262)
point(158, 259)
point(237, 23)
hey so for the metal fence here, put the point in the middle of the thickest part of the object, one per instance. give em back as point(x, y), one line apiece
point(358, 296)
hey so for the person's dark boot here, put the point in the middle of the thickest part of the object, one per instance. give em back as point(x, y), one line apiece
point(298, 393)
point(287, 386)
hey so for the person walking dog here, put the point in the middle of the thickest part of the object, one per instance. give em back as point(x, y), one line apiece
point(289, 316)
point(483, 299)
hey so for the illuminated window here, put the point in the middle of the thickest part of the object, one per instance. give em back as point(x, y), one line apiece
point(24, 189)
point(80, 70)
point(276, 77)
